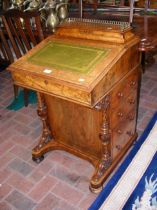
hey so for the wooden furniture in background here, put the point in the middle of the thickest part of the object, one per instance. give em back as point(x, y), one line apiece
point(87, 78)
point(143, 27)
point(147, 4)
point(24, 31)
point(4, 4)
point(6, 56)
point(84, 6)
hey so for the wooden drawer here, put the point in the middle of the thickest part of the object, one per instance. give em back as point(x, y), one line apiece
point(118, 115)
point(123, 100)
point(125, 112)
point(122, 134)
point(45, 85)
point(118, 95)
point(122, 90)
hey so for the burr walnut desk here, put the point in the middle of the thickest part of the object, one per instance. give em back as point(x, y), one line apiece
point(86, 76)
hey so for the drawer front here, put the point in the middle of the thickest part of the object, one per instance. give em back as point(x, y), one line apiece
point(118, 95)
point(45, 85)
point(123, 89)
point(124, 112)
point(123, 109)
point(123, 99)
point(122, 134)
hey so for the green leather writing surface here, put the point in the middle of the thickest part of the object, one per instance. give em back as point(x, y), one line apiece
point(71, 57)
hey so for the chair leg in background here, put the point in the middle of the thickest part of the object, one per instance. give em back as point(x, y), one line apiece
point(26, 97)
point(16, 88)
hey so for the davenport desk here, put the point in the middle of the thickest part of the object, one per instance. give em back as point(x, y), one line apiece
point(86, 76)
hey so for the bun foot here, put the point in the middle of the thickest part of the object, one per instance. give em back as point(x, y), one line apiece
point(38, 159)
point(95, 189)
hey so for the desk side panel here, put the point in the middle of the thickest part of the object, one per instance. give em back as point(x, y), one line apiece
point(75, 126)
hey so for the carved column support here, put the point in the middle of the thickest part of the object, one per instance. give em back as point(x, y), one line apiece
point(104, 135)
point(42, 113)
point(105, 139)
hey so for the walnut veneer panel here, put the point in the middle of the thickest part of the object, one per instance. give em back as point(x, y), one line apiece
point(73, 125)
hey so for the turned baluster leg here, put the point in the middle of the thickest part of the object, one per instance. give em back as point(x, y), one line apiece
point(105, 162)
point(105, 139)
point(37, 154)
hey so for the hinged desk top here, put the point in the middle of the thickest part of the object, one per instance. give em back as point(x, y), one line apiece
point(72, 67)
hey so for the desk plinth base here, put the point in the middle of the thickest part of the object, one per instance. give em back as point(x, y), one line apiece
point(99, 176)
point(92, 140)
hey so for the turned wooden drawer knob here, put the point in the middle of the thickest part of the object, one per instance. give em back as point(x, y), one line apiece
point(132, 83)
point(118, 147)
point(120, 114)
point(120, 95)
point(129, 133)
point(131, 101)
point(46, 82)
point(131, 117)
point(119, 131)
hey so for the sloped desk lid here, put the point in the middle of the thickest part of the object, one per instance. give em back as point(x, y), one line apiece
point(69, 68)
point(73, 62)
point(69, 57)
